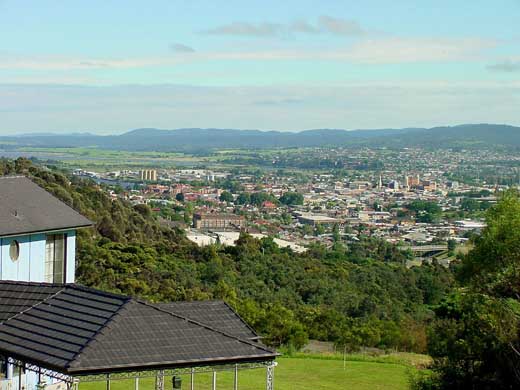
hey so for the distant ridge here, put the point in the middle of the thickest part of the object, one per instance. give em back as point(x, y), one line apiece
point(196, 139)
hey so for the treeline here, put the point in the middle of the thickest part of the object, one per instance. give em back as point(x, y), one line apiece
point(360, 295)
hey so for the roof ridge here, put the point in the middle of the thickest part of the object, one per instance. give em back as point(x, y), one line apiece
point(241, 319)
point(99, 331)
point(99, 292)
point(12, 176)
point(33, 306)
point(259, 346)
point(75, 286)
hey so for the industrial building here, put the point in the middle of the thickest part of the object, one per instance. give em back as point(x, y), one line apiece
point(218, 221)
point(148, 175)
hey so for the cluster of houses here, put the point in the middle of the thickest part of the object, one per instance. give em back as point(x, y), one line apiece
point(371, 204)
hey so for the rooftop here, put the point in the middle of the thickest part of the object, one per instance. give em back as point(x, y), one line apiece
point(78, 331)
point(28, 208)
point(218, 216)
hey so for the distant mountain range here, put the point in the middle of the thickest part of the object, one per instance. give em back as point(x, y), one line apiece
point(468, 136)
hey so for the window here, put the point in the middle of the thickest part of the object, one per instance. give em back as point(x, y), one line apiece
point(55, 253)
point(14, 250)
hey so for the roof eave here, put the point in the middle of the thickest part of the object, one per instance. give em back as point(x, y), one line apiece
point(61, 229)
point(36, 362)
point(174, 365)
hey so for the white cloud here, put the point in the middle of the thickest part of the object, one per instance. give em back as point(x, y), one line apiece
point(379, 51)
point(302, 26)
point(370, 51)
point(180, 48)
point(325, 24)
point(397, 50)
point(508, 66)
point(340, 26)
point(362, 105)
point(64, 63)
point(247, 29)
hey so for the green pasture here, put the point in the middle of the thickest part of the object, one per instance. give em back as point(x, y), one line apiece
point(301, 373)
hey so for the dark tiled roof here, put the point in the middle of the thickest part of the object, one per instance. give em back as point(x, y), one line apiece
point(77, 330)
point(216, 314)
point(25, 208)
point(56, 327)
point(18, 297)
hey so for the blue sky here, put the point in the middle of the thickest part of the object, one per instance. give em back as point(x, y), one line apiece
point(110, 66)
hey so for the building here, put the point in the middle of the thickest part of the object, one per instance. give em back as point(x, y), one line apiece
point(394, 185)
point(469, 225)
point(268, 205)
point(148, 175)
point(37, 233)
point(217, 221)
point(314, 220)
point(412, 181)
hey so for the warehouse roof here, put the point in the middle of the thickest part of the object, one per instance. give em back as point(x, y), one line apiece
point(77, 330)
point(28, 208)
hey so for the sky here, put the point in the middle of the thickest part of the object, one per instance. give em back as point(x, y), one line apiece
point(110, 66)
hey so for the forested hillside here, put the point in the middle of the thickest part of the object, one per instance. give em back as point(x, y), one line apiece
point(359, 295)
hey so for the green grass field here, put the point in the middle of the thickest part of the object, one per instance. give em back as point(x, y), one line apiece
point(297, 373)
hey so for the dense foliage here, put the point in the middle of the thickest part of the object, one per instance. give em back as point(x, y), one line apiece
point(425, 211)
point(360, 295)
point(292, 198)
point(475, 338)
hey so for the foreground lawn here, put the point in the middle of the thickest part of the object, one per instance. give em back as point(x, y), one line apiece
point(294, 374)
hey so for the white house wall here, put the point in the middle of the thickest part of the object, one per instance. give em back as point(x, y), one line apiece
point(30, 266)
point(71, 257)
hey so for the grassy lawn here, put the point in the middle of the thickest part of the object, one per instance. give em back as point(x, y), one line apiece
point(296, 373)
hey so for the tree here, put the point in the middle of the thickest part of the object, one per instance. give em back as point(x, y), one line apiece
point(180, 197)
point(244, 198)
point(470, 205)
point(452, 245)
point(425, 211)
point(291, 198)
point(257, 198)
point(188, 212)
point(226, 196)
point(143, 209)
point(475, 339)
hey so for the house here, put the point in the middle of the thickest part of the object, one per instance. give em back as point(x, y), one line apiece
point(37, 233)
point(268, 205)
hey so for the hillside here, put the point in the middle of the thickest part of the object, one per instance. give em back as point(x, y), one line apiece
point(360, 295)
point(471, 135)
